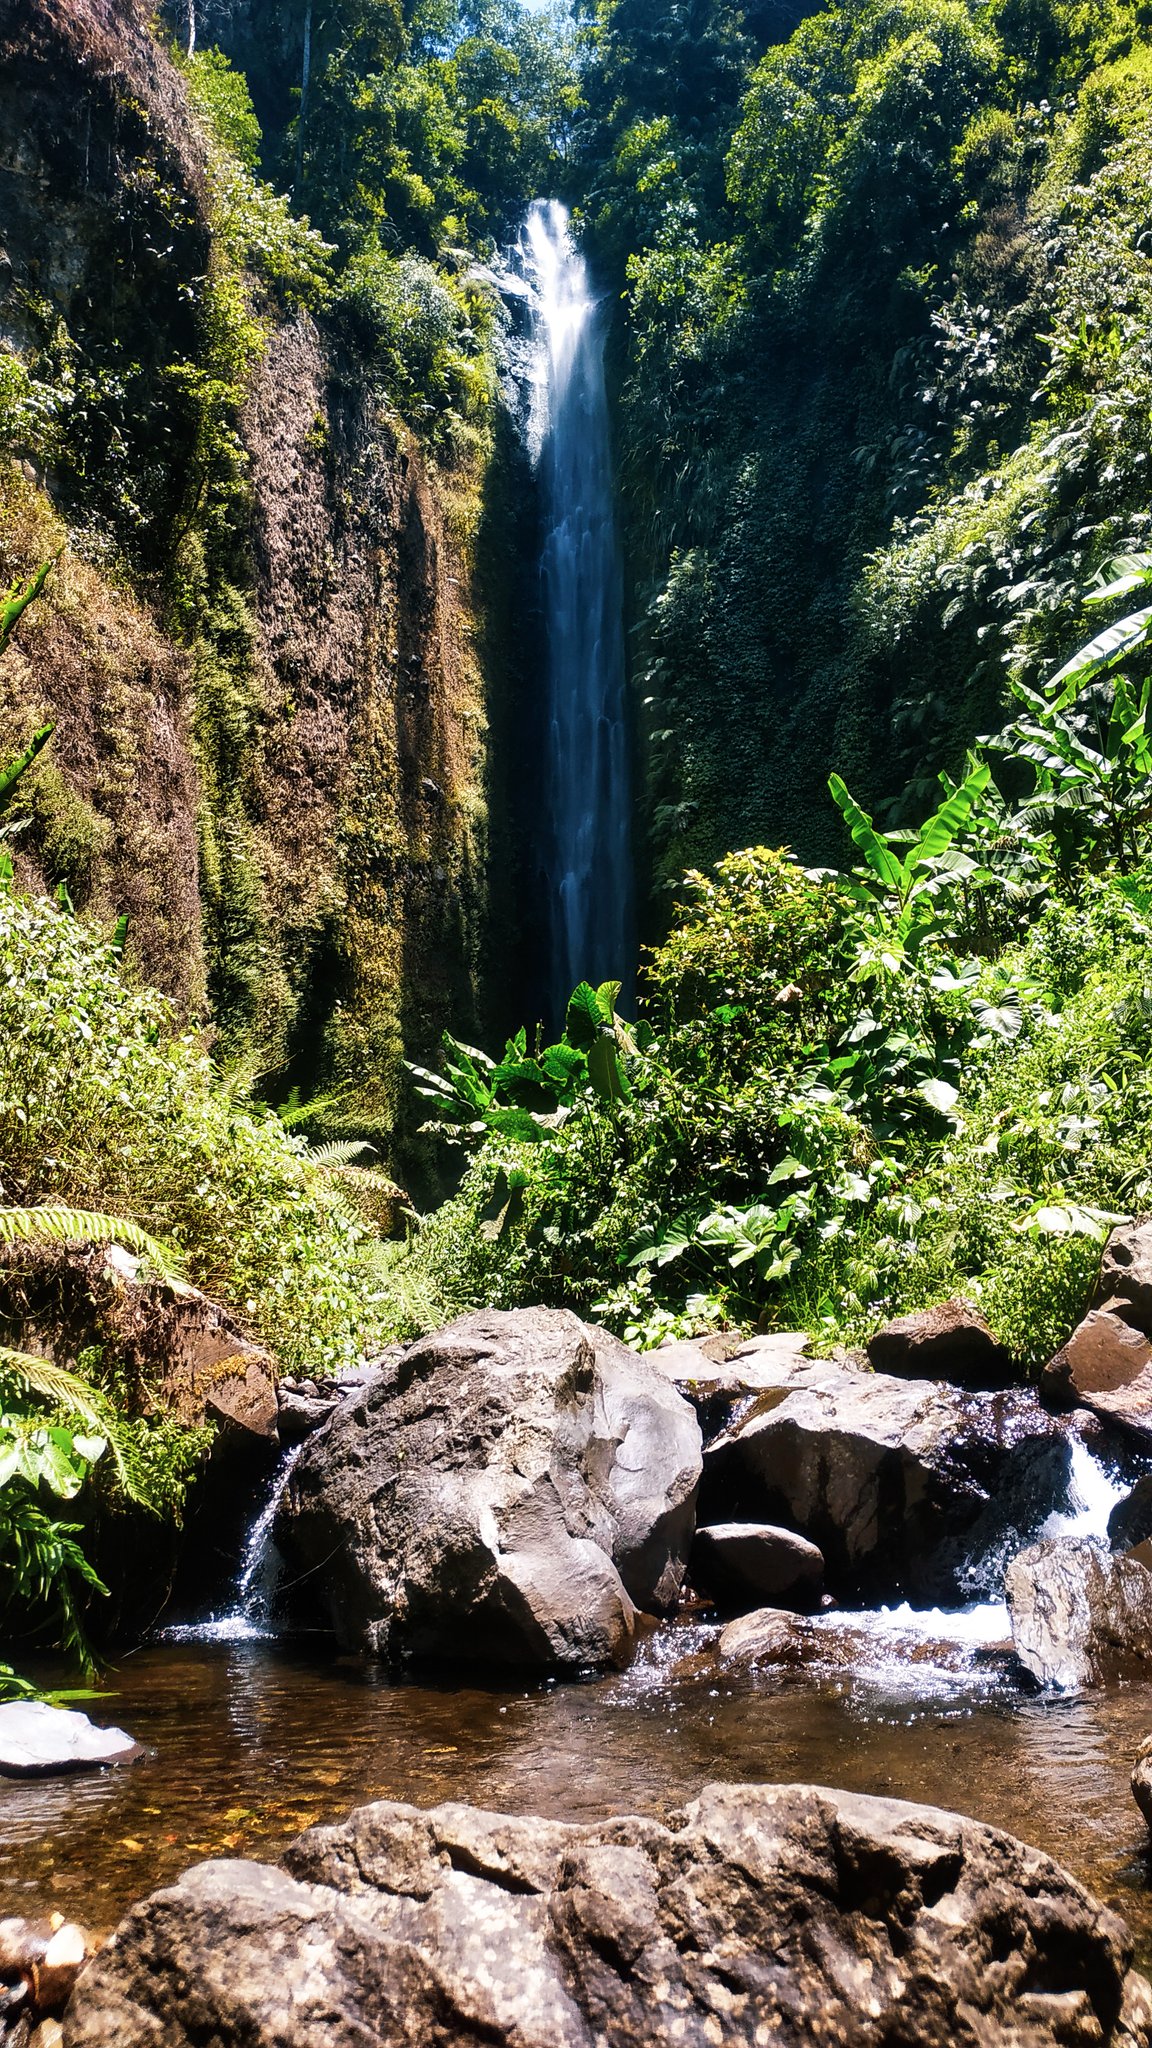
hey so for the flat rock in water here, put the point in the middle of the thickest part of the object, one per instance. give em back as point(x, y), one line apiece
point(783, 1915)
point(950, 1342)
point(899, 1483)
point(38, 1740)
point(746, 1564)
point(1080, 1615)
point(768, 1635)
point(1106, 1365)
point(511, 1495)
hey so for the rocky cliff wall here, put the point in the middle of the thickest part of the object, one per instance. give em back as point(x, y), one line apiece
point(271, 748)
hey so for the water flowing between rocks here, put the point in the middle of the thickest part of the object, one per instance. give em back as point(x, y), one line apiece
point(252, 1738)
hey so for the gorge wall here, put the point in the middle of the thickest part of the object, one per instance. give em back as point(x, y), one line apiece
point(268, 643)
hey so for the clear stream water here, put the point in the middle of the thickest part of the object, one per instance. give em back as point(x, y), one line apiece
point(250, 1738)
point(586, 803)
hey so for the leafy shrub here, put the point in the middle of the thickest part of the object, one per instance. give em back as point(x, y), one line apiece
point(103, 1106)
point(918, 1118)
point(421, 333)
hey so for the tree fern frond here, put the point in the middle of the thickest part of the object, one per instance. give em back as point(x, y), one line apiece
point(53, 1383)
point(49, 1223)
point(341, 1152)
point(366, 1177)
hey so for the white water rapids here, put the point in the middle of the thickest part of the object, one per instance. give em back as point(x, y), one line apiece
point(586, 801)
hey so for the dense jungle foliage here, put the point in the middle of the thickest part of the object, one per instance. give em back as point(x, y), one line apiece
point(852, 1094)
point(882, 376)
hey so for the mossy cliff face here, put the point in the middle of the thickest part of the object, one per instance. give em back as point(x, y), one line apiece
point(260, 645)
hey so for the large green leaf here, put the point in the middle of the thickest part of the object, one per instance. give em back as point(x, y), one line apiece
point(586, 1018)
point(1114, 644)
point(1129, 573)
point(873, 846)
point(10, 775)
point(606, 1070)
point(953, 815)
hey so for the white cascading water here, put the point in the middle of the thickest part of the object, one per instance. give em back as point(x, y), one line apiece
point(586, 834)
point(1092, 1492)
point(249, 1619)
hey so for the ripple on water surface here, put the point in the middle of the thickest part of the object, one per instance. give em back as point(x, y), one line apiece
point(250, 1742)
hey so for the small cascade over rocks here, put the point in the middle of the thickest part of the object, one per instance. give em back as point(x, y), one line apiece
point(585, 832)
point(249, 1619)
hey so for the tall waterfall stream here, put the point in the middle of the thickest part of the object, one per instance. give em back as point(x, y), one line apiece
point(586, 799)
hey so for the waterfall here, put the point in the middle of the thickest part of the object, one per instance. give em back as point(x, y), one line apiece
point(586, 833)
point(1093, 1492)
point(249, 1619)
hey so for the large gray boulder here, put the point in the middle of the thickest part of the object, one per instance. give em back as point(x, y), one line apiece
point(900, 1483)
point(1125, 1282)
point(1079, 1614)
point(512, 1493)
point(783, 1915)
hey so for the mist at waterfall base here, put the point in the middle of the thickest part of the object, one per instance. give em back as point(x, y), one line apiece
point(581, 801)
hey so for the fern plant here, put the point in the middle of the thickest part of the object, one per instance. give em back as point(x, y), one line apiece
point(52, 1223)
point(44, 1568)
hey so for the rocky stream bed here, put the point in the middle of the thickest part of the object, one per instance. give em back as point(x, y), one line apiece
point(656, 1688)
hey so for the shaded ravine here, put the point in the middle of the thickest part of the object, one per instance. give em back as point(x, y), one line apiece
point(585, 810)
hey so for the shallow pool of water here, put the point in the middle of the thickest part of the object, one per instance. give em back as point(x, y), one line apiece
point(250, 1742)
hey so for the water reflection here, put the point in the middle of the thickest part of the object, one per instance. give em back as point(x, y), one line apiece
point(251, 1742)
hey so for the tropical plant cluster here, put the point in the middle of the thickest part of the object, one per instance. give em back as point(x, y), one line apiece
point(883, 382)
point(852, 1094)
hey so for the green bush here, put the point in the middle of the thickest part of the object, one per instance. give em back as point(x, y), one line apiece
point(103, 1106)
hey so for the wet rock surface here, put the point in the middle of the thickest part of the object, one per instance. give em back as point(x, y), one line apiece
point(900, 1483)
point(1130, 1521)
point(1106, 1366)
point(787, 1914)
point(768, 1635)
point(723, 1378)
point(1126, 1274)
point(37, 1740)
point(1142, 1780)
point(512, 1493)
point(747, 1564)
point(950, 1342)
point(1080, 1615)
